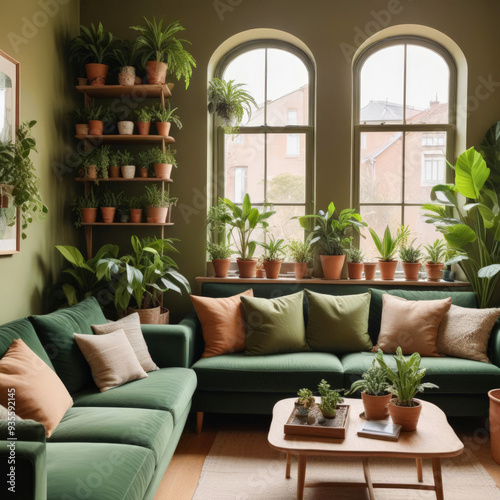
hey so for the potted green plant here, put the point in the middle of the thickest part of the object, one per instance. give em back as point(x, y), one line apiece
point(158, 203)
point(410, 256)
point(143, 159)
point(95, 115)
point(163, 161)
point(85, 208)
point(81, 121)
point(136, 205)
point(219, 249)
point(374, 388)
point(301, 254)
point(125, 124)
point(355, 263)
point(332, 233)
point(164, 117)
point(127, 167)
point(243, 221)
point(114, 164)
point(159, 49)
point(435, 260)
point(125, 57)
point(229, 101)
point(405, 384)
point(330, 398)
point(109, 202)
point(273, 256)
point(89, 163)
point(143, 117)
point(95, 47)
point(102, 161)
point(305, 402)
point(387, 249)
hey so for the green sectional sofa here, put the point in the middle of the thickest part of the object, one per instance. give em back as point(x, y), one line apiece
point(114, 445)
point(235, 383)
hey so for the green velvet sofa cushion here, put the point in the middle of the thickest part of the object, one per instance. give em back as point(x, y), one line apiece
point(98, 471)
point(338, 323)
point(272, 373)
point(463, 299)
point(168, 389)
point(150, 429)
point(452, 375)
point(56, 331)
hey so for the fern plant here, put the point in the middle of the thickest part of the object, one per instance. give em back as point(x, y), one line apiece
point(374, 382)
point(166, 115)
point(157, 199)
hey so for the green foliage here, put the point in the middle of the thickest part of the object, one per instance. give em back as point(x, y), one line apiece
point(93, 45)
point(125, 158)
point(95, 112)
point(81, 115)
point(219, 247)
point(332, 232)
point(388, 247)
point(374, 382)
point(300, 251)
point(114, 158)
point(166, 115)
point(406, 382)
point(218, 251)
point(136, 202)
point(144, 114)
point(124, 53)
point(111, 199)
point(157, 155)
point(355, 255)
point(490, 150)
point(286, 188)
point(330, 398)
point(100, 157)
point(90, 201)
point(410, 254)
point(275, 249)
point(306, 398)
point(436, 252)
point(144, 159)
point(157, 199)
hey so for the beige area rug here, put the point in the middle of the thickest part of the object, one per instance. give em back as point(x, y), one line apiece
point(242, 466)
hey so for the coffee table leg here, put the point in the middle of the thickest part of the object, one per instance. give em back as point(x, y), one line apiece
point(288, 464)
point(419, 470)
point(368, 479)
point(438, 480)
point(301, 477)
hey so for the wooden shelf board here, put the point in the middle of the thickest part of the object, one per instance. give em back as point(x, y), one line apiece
point(127, 223)
point(121, 179)
point(144, 139)
point(138, 91)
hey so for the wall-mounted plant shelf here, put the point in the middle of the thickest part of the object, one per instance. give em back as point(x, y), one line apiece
point(122, 179)
point(127, 224)
point(137, 91)
point(126, 139)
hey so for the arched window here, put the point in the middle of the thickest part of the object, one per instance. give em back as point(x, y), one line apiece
point(272, 156)
point(404, 129)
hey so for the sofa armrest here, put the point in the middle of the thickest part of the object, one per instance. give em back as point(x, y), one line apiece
point(196, 346)
point(494, 344)
point(23, 462)
point(169, 345)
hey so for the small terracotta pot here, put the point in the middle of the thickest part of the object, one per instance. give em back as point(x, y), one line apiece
point(163, 128)
point(89, 215)
point(259, 272)
point(405, 416)
point(332, 266)
point(494, 396)
point(135, 215)
point(114, 171)
point(126, 127)
point(128, 171)
point(82, 82)
point(156, 72)
point(300, 269)
point(247, 267)
point(143, 128)
point(91, 172)
point(434, 272)
point(370, 268)
point(157, 213)
point(143, 172)
point(126, 76)
point(108, 214)
point(148, 316)
point(96, 73)
point(221, 267)
point(355, 270)
point(96, 127)
point(163, 170)
point(82, 129)
point(387, 269)
point(411, 270)
point(376, 407)
point(272, 268)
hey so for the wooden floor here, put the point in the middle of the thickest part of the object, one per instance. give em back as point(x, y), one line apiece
point(181, 479)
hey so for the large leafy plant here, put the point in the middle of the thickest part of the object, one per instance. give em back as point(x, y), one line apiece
point(93, 45)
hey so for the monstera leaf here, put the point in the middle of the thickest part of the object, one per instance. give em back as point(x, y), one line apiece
point(490, 149)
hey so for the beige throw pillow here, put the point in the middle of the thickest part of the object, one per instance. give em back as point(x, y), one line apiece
point(131, 325)
point(411, 324)
point(111, 358)
point(465, 332)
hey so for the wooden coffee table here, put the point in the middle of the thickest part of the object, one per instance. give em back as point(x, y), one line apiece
point(434, 439)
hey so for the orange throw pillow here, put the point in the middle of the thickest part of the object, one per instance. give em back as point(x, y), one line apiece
point(38, 393)
point(411, 324)
point(223, 323)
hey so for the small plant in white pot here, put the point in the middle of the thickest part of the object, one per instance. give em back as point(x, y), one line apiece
point(273, 256)
point(125, 124)
point(127, 165)
point(124, 55)
point(301, 253)
point(435, 258)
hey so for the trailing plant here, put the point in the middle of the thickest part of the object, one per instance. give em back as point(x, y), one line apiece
point(160, 44)
point(435, 252)
point(389, 245)
point(220, 246)
point(111, 198)
point(330, 398)
point(124, 53)
point(102, 161)
point(157, 199)
point(218, 251)
point(166, 115)
point(157, 155)
point(144, 114)
point(300, 251)
point(93, 45)
point(275, 249)
point(374, 382)
point(90, 201)
point(306, 398)
point(126, 158)
point(355, 255)
point(136, 202)
point(406, 381)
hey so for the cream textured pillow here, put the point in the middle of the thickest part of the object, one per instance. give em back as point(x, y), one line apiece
point(131, 325)
point(411, 324)
point(111, 358)
point(38, 392)
point(465, 332)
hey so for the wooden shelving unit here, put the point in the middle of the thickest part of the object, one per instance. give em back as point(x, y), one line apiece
point(119, 91)
point(158, 224)
point(126, 139)
point(122, 179)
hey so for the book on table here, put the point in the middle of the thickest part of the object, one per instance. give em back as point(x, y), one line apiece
point(380, 429)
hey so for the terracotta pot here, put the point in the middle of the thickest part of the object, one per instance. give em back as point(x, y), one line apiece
point(157, 214)
point(143, 128)
point(128, 171)
point(82, 129)
point(126, 76)
point(114, 171)
point(272, 268)
point(163, 128)
point(89, 215)
point(148, 316)
point(221, 267)
point(300, 269)
point(370, 268)
point(82, 82)
point(156, 72)
point(135, 215)
point(411, 270)
point(96, 127)
point(138, 80)
point(494, 396)
point(126, 127)
point(96, 73)
point(355, 270)
point(108, 214)
point(376, 406)
point(91, 172)
point(164, 316)
point(332, 266)
point(434, 272)
point(163, 170)
point(405, 416)
point(247, 267)
point(259, 273)
point(387, 269)
point(143, 172)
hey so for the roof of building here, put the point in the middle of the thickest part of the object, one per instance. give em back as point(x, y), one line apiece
point(385, 111)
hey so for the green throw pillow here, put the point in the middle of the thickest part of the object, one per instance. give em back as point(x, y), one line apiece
point(275, 325)
point(338, 323)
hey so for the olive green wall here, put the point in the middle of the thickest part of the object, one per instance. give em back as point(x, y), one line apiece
point(322, 25)
point(34, 33)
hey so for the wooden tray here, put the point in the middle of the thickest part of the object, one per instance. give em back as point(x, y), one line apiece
point(317, 425)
